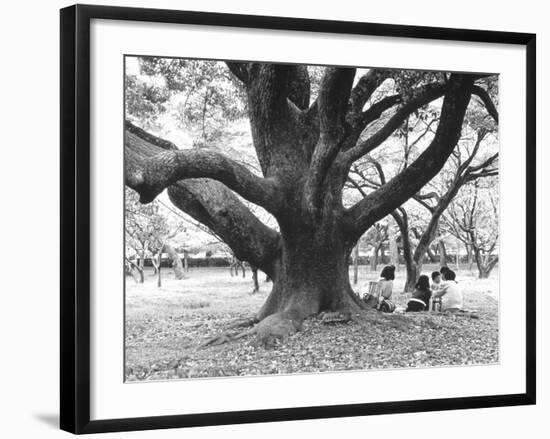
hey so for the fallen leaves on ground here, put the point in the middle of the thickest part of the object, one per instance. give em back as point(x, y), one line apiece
point(390, 341)
point(165, 328)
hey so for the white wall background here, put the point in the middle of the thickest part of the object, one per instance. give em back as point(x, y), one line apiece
point(29, 220)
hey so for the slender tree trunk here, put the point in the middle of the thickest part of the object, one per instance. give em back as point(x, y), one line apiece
point(141, 261)
point(394, 251)
point(255, 279)
point(356, 265)
point(136, 271)
point(413, 272)
point(411, 267)
point(470, 257)
point(140, 276)
point(159, 261)
point(431, 255)
point(204, 115)
point(176, 261)
point(485, 263)
point(185, 261)
point(374, 259)
point(155, 266)
point(442, 253)
point(457, 255)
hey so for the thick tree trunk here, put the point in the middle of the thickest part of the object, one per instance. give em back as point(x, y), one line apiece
point(311, 276)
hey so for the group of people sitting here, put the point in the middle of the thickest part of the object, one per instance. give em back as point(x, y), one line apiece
point(444, 286)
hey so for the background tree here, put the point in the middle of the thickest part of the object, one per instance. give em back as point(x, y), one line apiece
point(144, 229)
point(305, 152)
point(466, 164)
point(473, 219)
point(148, 234)
point(376, 238)
point(466, 170)
point(202, 98)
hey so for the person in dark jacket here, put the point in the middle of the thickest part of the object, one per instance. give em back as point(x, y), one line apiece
point(421, 295)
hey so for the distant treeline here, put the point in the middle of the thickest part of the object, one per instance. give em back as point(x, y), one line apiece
point(224, 262)
point(193, 262)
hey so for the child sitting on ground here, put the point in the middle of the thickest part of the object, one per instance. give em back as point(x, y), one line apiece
point(421, 295)
point(436, 281)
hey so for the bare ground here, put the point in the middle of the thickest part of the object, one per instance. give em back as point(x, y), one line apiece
point(166, 326)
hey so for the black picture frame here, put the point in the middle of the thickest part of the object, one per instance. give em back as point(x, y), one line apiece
point(75, 217)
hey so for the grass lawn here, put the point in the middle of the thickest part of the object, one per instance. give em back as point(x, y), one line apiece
point(165, 326)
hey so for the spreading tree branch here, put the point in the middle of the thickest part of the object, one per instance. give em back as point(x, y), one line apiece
point(214, 205)
point(424, 96)
point(149, 177)
point(402, 187)
point(366, 86)
point(487, 101)
point(239, 69)
point(332, 105)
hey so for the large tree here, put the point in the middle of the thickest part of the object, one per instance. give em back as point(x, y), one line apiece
point(305, 152)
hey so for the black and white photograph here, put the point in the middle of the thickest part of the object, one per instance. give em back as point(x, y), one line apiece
point(307, 219)
point(271, 220)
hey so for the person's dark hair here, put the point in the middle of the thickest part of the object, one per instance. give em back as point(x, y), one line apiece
point(444, 269)
point(388, 272)
point(423, 283)
point(450, 275)
point(435, 274)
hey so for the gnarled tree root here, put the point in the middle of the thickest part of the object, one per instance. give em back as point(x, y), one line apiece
point(268, 331)
point(243, 323)
point(336, 317)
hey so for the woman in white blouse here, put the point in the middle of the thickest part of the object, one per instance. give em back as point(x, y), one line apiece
point(450, 292)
